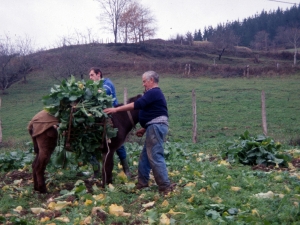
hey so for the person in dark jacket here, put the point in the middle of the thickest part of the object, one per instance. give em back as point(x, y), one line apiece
point(153, 118)
point(96, 75)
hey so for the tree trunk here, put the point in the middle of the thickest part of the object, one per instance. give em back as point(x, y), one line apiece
point(295, 56)
point(263, 113)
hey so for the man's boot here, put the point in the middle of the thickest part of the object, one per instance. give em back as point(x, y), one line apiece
point(126, 169)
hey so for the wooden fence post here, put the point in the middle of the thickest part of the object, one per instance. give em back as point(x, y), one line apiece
point(194, 117)
point(125, 96)
point(263, 113)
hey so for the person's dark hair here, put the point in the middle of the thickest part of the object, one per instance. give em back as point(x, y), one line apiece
point(152, 74)
point(96, 70)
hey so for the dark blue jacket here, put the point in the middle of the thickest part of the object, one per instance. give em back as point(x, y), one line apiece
point(151, 105)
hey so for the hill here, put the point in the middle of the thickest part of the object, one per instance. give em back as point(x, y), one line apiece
point(199, 59)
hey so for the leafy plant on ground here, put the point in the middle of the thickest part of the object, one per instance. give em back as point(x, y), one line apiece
point(15, 160)
point(257, 150)
point(209, 191)
point(79, 105)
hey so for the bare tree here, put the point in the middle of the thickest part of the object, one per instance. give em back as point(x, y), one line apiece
point(136, 23)
point(224, 38)
point(290, 36)
point(261, 41)
point(112, 12)
point(15, 63)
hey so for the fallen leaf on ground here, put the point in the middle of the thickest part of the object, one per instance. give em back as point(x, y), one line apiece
point(164, 219)
point(269, 194)
point(18, 209)
point(149, 204)
point(37, 210)
point(235, 188)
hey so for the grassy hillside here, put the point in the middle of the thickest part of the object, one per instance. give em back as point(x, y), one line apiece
point(225, 107)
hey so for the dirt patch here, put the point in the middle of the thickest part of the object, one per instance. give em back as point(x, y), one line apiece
point(295, 163)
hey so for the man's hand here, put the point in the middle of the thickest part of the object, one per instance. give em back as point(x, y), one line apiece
point(140, 132)
point(110, 110)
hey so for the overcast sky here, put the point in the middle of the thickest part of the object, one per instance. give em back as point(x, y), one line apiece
point(45, 22)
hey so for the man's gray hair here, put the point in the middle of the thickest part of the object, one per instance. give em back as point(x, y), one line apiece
point(151, 74)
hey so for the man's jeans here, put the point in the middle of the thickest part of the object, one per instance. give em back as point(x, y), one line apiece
point(121, 152)
point(152, 157)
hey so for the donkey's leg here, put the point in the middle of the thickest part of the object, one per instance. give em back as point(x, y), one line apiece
point(107, 167)
point(36, 150)
point(46, 143)
point(35, 182)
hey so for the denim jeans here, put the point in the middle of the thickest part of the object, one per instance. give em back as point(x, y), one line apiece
point(121, 152)
point(152, 157)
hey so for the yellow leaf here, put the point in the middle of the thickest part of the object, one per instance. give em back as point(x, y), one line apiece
point(228, 177)
point(88, 202)
point(75, 203)
point(44, 219)
point(51, 205)
point(122, 176)
point(174, 213)
point(116, 210)
point(120, 166)
point(5, 187)
point(111, 187)
point(61, 204)
point(255, 212)
point(96, 209)
point(296, 204)
point(18, 209)
point(202, 190)
point(149, 204)
point(17, 182)
point(135, 163)
point(191, 199)
point(291, 167)
point(217, 199)
point(63, 219)
point(190, 184)
point(287, 188)
point(224, 162)
point(99, 197)
point(197, 173)
point(164, 219)
point(164, 203)
point(269, 194)
point(37, 210)
point(87, 220)
point(235, 188)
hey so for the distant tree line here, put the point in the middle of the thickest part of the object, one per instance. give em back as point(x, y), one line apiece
point(276, 29)
point(247, 29)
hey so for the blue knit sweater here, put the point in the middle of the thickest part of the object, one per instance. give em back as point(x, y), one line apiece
point(151, 105)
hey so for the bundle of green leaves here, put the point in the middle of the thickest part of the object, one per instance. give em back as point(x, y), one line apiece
point(257, 150)
point(80, 103)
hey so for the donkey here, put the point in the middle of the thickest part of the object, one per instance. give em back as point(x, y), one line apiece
point(42, 129)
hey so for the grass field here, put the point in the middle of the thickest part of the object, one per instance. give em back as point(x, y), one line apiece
point(225, 107)
point(209, 189)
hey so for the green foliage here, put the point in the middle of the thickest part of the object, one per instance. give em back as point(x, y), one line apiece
point(79, 107)
point(15, 160)
point(254, 151)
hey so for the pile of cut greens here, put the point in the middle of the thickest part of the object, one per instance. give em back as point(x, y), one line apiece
point(79, 105)
point(250, 150)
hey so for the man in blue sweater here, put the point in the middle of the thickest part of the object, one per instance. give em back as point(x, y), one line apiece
point(153, 118)
point(96, 75)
